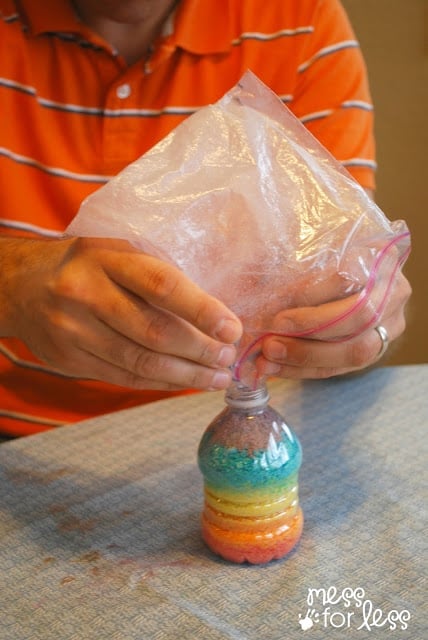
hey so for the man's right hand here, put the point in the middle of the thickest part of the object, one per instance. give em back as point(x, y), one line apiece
point(101, 309)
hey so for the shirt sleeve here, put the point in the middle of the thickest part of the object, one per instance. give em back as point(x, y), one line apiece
point(332, 96)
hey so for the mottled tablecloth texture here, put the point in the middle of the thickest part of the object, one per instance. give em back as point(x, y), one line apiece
point(100, 538)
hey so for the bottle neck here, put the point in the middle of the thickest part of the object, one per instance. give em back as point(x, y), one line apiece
point(239, 396)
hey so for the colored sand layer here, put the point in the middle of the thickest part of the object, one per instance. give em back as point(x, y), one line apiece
point(252, 546)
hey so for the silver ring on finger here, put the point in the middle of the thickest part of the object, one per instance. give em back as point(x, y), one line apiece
point(384, 337)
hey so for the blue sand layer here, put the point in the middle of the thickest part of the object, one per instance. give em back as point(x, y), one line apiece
point(231, 468)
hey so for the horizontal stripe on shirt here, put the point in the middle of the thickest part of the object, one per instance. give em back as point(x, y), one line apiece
point(12, 18)
point(357, 104)
point(31, 228)
point(56, 171)
point(25, 417)
point(359, 162)
point(325, 51)
point(256, 35)
point(349, 104)
point(97, 111)
point(167, 110)
point(27, 364)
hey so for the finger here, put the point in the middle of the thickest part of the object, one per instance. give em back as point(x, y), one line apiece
point(165, 286)
point(89, 367)
point(113, 358)
point(347, 317)
point(154, 371)
point(159, 330)
point(330, 321)
point(298, 373)
point(308, 355)
point(281, 356)
point(161, 368)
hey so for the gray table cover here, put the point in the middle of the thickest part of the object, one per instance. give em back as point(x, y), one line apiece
point(99, 523)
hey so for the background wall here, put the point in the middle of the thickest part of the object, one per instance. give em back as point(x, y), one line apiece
point(394, 38)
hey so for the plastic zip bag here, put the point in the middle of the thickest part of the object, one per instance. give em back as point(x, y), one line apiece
point(248, 204)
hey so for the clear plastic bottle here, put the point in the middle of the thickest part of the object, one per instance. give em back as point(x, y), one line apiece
point(250, 458)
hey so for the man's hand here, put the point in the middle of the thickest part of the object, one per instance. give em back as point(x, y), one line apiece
point(310, 358)
point(100, 309)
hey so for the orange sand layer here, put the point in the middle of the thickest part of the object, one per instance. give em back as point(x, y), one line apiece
point(256, 546)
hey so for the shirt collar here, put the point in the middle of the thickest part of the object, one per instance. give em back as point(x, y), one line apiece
point(49, 16)
point(199, 26)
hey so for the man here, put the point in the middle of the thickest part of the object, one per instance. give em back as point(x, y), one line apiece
point(86, 87)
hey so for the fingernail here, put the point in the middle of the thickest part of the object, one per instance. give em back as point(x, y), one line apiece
point(228, 330)
point(220, 380)
point(275, 350)
point(226, 356)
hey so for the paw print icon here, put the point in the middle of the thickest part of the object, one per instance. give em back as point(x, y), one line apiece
point(308, 621)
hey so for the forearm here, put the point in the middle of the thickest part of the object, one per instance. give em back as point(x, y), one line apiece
point(13, 265)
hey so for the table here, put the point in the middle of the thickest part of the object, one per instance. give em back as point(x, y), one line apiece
point(99, 523)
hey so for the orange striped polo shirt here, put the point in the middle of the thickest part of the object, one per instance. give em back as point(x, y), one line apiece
point(74, 114)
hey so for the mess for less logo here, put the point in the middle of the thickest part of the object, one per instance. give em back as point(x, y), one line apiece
point(349, 608)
